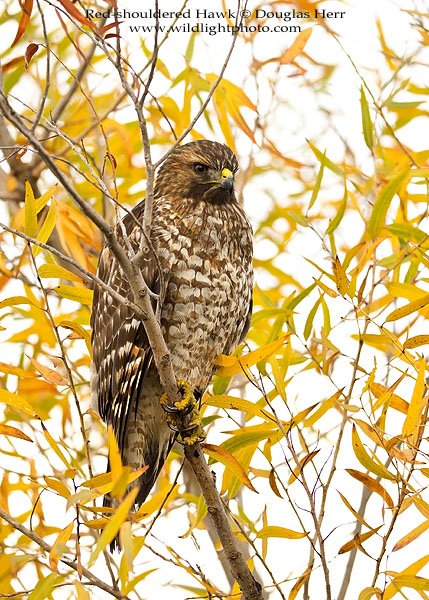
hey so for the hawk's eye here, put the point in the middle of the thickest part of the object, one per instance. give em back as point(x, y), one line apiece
point(199, 168)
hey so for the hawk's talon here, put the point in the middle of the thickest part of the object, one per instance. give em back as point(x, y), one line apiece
point(172, 410)
point(184, 406)
point(181, 430)
point(190, 430)
point(187, 443)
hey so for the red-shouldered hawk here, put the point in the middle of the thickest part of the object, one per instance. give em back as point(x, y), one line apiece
point(202, 274)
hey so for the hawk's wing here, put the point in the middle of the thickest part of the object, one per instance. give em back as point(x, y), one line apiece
point(121, 351)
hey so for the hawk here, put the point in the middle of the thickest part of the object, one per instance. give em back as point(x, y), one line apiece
point(200, 274)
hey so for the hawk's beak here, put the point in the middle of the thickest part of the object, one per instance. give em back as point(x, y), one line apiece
point(227, 181)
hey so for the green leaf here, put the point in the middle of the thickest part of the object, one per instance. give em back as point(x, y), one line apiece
point(30, 220)
point(324, 160)
point(310, 319)
point(366, 120)
point(44, 587)
point(381, 206)
point(339, 216)
point(47, 227)
point(316, 188)
point(366, 461)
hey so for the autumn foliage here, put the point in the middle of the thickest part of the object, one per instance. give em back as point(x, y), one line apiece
point(316, 426)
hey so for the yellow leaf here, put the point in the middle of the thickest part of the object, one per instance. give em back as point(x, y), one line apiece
point(81, 592)
point(417, 340)
point(57, 486)
point(413, 569)
point(323, 408)
point(196, 520)
point(82, 295)
point(396, 402)
point(115, 461)
point(281, 532)
point(55, 271)
point(369, 592)
point(411, 536)
point(387, 395)
point(332, 293)
point(30, 219)
point(412, 420)
point(13, 432)
point(17, 402)
point(152, 505)
point(59, 546)
point(355, 513)
point(110, 531)
point(408, 309)
point(366, 461)
point(296, 47)
point(48, 374)
point(230, 462)
point(47, 227)
point(80, 331)
point(12, 370)
point(14, 300)
point(412, 581)
point(233, 90)
point(341, 280)
point(53, 444)
point(250, 408)
point(299, 583)
point(246, 361)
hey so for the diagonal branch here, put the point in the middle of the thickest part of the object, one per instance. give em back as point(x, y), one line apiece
point(70, 563)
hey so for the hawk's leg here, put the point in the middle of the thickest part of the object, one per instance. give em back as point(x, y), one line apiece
point(184, 416)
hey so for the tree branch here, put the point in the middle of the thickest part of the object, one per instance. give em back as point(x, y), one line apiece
point(70, 563)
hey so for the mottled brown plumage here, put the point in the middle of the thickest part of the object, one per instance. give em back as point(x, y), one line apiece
point(203, 244)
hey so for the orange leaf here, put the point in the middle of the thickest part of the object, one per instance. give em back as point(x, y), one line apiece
point(296, 47)
point(27, 7)
point(12, 431)
point(228, 368)
point(30, 51)
point(357, 541)
point(415, 409)
point(48, 374)
point(371, 484)
point(301, 580)
point(230, 462)
point(60, 547)
point(76, 14)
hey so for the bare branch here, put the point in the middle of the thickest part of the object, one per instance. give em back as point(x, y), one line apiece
point(70, 563)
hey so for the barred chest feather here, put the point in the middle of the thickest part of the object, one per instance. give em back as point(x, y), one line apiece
point(206, 258)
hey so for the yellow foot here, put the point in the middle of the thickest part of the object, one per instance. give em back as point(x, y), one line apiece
point(184, 416)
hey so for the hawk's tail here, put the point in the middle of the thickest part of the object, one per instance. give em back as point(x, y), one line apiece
point(145, 483)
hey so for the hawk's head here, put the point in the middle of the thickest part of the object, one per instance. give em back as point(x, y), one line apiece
point(201, 170)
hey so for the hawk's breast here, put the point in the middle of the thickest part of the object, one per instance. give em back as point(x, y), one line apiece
point(206, 258)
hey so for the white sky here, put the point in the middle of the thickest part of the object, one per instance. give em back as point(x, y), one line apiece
point(289, 129)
